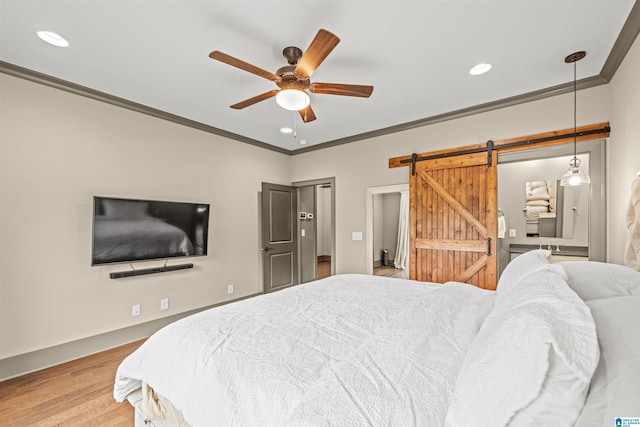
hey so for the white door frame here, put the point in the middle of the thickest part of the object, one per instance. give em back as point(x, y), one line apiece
point(371, 191)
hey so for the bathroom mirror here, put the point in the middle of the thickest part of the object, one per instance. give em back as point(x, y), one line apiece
point(580, 211)
point(551, 210)
point(541, 215)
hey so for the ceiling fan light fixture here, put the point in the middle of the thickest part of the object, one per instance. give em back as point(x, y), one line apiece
point(293, 99)
point(476, 70)
point(53, 38)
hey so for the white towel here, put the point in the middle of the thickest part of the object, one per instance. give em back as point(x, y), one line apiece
point(502, 227)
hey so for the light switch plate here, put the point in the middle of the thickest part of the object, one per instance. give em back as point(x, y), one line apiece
point(356, 235)
point(512, 232)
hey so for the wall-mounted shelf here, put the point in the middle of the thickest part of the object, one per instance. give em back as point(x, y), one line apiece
point(130, 273)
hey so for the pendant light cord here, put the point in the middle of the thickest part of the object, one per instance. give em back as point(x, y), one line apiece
point(575, 107)
point(575, 175)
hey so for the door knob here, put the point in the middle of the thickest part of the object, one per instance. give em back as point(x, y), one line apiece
point(266, 249)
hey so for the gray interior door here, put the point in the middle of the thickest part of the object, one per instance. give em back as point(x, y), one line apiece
point(279, 236)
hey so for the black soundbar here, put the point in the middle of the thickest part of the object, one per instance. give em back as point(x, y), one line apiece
point(129, 273)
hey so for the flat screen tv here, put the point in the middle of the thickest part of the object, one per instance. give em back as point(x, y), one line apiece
point(127, 230)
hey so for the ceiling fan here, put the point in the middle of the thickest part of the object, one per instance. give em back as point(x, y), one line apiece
point(293, 79)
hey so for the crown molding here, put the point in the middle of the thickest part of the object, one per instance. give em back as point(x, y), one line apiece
point(47, 80)
point(623, 43)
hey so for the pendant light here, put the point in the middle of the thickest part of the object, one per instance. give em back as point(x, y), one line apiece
point(575, 175)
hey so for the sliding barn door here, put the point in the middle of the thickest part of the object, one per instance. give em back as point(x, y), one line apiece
point(453, 220)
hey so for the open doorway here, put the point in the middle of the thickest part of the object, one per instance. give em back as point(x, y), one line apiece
point(383, 219)
point(316, 228)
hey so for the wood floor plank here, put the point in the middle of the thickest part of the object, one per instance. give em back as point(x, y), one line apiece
point(390, 271)
point(76, 393)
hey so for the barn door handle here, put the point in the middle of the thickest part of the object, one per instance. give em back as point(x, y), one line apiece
point(266, 249)
point(488, 246)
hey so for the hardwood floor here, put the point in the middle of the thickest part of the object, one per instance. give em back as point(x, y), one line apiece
point(323, 269)
point(390, 271)
point(77, 393)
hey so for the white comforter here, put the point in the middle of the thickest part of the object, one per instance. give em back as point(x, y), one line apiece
point(326, 352)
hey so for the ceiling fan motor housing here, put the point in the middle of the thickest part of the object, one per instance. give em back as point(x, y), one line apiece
point(292, 54)
point(290, 80)
point(288, 77)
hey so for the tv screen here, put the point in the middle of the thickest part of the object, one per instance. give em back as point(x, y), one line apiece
point(126, 230)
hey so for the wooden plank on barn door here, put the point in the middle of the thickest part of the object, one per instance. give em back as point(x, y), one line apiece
point(453, 216)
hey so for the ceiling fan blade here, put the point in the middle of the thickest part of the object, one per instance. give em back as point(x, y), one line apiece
point(318, 50)
point(248, 102)
point(362, 91)
point(307, 114)
point(235, 62)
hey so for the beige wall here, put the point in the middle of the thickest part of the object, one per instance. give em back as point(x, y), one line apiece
point(57, 151)
point(364, 164)
point(624, 150)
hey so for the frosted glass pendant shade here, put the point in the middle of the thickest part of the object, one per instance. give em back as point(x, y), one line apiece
point(292, 99)
point(575, 175)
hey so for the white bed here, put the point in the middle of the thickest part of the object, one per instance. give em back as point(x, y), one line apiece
point(366, 350)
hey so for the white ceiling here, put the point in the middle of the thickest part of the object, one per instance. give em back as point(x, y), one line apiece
point(415, 53)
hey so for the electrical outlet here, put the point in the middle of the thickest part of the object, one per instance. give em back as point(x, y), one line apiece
point(164, 304)
point(135, 310)
point(230, 289)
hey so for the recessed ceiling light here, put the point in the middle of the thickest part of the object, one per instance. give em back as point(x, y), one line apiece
point(303, 142)
point(286, 130)
point(479, 69)
point(53, 38)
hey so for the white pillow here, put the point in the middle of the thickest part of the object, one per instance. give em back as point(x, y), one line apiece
point(125, 209)
point(525, 265)
point(593, 280)
point(506, 373)
point(615, 386)
point(560, 400)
